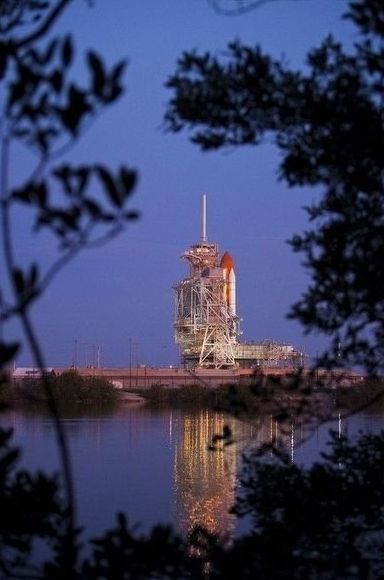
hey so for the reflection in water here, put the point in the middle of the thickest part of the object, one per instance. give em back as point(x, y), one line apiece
point(204, 479)
point(155, 464)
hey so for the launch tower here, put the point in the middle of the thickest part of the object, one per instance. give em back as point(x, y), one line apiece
point(206, 325)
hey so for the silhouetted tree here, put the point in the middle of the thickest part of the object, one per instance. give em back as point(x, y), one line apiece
point(327, 122)
point(322, 522)
point(80, 205)
point(46, 111)
point(32, 509)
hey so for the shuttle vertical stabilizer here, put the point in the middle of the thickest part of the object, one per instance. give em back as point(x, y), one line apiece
point(232, 292)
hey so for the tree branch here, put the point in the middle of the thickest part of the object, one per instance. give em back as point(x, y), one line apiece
point(31, 338)
point(243, 7)
point(44, 27)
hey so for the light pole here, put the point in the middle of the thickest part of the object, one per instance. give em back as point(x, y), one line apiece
point(130, 362)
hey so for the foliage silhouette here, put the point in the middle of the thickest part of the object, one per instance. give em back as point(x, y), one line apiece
point(321, 522)
point(328, 124)
point(339, 529)
point(235, 7)
point(67, 387)
point(22, 493)
point(80, 206)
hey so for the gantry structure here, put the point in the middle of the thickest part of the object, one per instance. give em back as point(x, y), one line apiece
point(206, 325)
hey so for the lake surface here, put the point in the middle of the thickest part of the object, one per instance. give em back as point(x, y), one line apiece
point(154, 464)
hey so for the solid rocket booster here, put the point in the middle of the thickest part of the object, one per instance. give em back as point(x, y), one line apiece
point(228, 266)
point(232, 292)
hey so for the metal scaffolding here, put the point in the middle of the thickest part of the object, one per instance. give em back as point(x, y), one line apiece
point(268, 354)
point(206, 324)
point(205, 329)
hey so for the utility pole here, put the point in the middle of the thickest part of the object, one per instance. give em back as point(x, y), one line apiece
point(130, 362)
point(75, 356)
point(98, 356)
point(136, 361)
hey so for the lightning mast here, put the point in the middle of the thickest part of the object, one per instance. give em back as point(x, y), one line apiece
point(204, 236)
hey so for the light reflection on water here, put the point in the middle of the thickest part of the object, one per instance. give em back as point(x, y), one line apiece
point(154, 464)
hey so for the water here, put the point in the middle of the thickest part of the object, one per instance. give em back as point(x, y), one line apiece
point(154, 464)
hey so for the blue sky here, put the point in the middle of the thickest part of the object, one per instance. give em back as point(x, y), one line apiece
point(121, 294)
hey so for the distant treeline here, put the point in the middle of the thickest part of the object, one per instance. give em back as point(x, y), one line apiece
point(252, 398)
point(68, 386)
point(242, 399)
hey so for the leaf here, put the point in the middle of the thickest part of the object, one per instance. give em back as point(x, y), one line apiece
point(109, 217)
point(98, 73)
point(93, 208)
point(3, 60)
point(27, 77)
point(56, 80)
point(45, 58)
point(131, 215)
point(63, 172)
point(42, 141)
point(69, 219)
point(67, 51)
point(117, 71)
point(77, 107)
point(82, 175)
point(20, 133)
point(18, 280)
point(33, 275)
point(109, 185)
point(227, 432)
point(114, 88)
point(32, 193)
point(127, 180)
point(23, 195)
point(8, 352)
point(16, 93)
point(40, 191)
point(73, 180)
point(25, 286)
point(34, 55)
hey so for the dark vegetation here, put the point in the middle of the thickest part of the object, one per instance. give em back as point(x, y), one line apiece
point(327, 122)
point(68, 387)
point(290, 402)
point(195, 395)
point(254, 397)
point(369, 397)
point(187, 395)
point(322, 522)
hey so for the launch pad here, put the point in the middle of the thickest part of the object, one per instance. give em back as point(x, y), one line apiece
point(206, 323)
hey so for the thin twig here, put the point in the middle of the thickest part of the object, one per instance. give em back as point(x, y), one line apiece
point(31, 338)
point(44, 27)
point(242, 7)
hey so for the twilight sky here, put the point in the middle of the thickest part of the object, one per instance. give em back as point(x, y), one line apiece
point(120, 297)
